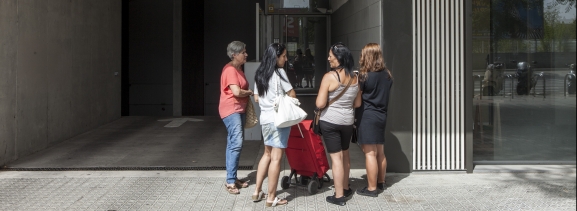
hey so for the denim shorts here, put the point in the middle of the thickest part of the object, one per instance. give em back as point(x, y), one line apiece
point(275, 137)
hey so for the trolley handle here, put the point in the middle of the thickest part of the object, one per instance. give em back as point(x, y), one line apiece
point(299, 126)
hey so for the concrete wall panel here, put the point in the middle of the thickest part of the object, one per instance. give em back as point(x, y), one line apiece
point(8, 75)
point(60, 62)
point(151, 57)
point(397, 48)
point(225, 21)
point(388, 23)
point(355, 23)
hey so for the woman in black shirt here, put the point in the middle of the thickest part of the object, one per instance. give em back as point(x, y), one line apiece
point(375, 86)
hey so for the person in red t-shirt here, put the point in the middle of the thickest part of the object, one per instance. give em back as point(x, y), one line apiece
point(234, 96)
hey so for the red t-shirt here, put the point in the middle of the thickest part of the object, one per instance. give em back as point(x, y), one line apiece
point(230, 104)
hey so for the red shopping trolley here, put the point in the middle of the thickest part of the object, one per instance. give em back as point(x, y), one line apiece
point(307, 158)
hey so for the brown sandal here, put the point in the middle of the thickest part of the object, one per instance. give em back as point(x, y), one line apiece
point(260, 196)
point(231, 189)
point(241, 184)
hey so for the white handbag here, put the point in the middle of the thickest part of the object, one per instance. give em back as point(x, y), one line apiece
point(287, 110)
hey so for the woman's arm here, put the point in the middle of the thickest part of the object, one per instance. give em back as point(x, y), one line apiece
point(358, 99)
point(238, 92)
point(323, 95)
point(292, 93)
point(255, 98)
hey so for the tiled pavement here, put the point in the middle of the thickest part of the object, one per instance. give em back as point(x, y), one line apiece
point(204, 190)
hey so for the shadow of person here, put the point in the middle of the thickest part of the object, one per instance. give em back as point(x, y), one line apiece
point(398, 165)
point(296, 189)
point(250, 176)
point(390, 180)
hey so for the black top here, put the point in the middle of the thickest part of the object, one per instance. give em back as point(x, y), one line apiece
point(376, 90)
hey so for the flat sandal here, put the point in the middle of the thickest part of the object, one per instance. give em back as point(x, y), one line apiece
point(231, 189)
point(241, 184)
point(259, 197)
point(276, 202)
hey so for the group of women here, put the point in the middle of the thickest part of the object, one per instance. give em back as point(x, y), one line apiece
point(362, 105)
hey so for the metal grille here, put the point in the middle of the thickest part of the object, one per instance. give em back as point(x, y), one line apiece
point(438, 86)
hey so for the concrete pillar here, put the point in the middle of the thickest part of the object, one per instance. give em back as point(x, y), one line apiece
point(177, 59)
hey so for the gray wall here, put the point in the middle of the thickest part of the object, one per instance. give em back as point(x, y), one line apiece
point(398, 50)
point(150, 58)
point(357, 23)
point(58, 61)
point(388, 23)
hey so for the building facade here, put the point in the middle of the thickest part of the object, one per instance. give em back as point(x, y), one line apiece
point(476, 81)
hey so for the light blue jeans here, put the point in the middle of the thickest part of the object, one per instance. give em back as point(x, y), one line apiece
point(235, 127)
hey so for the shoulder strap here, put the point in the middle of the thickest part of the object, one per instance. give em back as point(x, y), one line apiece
point(279, 90)
point(341, 94)
point(338, 76)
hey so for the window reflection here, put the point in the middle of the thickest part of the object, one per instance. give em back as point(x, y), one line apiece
point(523, 68)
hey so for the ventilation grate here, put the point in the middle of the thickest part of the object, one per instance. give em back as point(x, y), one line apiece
point(438, 85)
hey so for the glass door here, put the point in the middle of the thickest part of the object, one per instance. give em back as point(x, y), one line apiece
point(306, 38)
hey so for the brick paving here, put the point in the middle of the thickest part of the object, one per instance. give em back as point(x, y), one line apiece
point(190, 190)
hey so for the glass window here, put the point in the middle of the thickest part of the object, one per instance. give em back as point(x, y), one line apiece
point(306, 39)
point(524, 74)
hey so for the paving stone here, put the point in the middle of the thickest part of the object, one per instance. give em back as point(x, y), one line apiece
point(207, 193)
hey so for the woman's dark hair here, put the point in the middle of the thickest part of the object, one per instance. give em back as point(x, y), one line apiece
point(344, 56)
point(268, 66)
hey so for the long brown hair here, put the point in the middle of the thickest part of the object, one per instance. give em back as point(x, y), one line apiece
point(372, 61)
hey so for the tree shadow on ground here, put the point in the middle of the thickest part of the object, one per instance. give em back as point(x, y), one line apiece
point(558, 181)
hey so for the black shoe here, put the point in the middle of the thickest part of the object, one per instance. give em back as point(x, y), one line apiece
point(348, 193)
point(382, 186)
point(338, 201)
point(366, 192)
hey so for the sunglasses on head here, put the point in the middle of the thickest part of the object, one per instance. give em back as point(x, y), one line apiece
point(336, 46)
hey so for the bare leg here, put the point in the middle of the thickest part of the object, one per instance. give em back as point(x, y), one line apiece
point(370, 151)
point(273, 172)
point(338, 173)
point(347, 169)
point(382, 162)
point(262, 169)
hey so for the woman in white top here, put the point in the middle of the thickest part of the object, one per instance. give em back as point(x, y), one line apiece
point(270, 80)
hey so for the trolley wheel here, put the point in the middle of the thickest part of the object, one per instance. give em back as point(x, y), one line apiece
point(313, 186)
point(285, 182)
point(304, 180)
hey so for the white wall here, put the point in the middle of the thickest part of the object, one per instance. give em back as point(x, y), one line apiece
point(58, 61)
point(357, 23)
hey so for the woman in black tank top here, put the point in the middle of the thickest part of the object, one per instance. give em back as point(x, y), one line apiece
point(375, 83)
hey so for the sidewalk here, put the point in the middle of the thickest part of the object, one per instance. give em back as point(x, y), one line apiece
point(204, 190)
